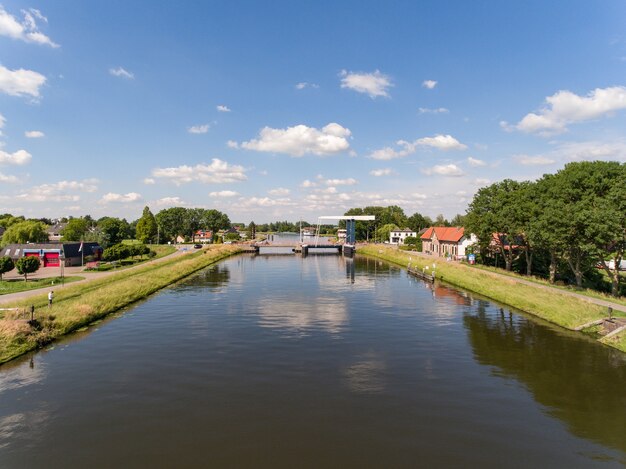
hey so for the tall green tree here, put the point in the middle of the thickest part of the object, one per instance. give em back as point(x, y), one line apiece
point(25, 231)
point(113, 230)
point(146, 230)
point(27, 265)
point(6, 265)
point(418, 222)
point(75, 230)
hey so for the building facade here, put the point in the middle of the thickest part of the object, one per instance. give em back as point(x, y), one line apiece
point(398, 236)
point(443, 241)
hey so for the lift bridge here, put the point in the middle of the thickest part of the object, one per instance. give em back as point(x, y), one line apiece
point(348, 247)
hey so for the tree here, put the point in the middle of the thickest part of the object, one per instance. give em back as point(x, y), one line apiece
point(418, 222)
point(493, 215)
point(27, 265)
point(6, 265)
point(214, 220)
point(172, 222)
point(24, 232)
point(117, 252)
point(146, 226)
point(75, 230)
point(113, 230)
point(384, 231)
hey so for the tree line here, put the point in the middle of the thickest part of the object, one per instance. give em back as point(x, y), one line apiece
point(568, 223)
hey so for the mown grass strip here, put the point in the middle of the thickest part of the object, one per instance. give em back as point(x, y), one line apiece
point(551, 305)
point(80, 305)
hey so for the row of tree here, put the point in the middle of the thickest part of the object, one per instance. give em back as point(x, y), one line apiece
point(576, 217)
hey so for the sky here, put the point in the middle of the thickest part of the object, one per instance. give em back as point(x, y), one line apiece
point(289, 110)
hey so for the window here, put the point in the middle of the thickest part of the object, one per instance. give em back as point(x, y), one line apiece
point(17, 251)
point(8, 253)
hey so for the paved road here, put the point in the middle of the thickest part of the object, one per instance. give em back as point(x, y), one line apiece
point(76, 271)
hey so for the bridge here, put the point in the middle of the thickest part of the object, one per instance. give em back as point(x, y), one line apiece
point(347, 248)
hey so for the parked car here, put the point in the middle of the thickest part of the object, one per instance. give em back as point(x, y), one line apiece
point(197, 246)
point(622, 265)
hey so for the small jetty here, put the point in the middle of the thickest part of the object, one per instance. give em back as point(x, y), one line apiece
point(421, 274)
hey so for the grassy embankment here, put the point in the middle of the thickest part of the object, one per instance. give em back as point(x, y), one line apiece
point(549, 304)
point(18, 285)
point(79, 305)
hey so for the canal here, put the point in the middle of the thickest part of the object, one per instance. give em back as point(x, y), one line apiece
point(280, 361)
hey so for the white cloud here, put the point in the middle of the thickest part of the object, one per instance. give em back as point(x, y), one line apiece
point(303, 84)
point(341, 182)
point(149, 181)
point(382, 172)
point(60, 191)
point(564, 108)
point(439, 110)
point(34, 134)
point(451, 170)
point(20, 157)
point(198, 129)
point(440, 142)
point(232, 144)
point(307, 184)
point(481, 181)
point(223, 194)
point(279, 191)
point(474, 162)
point(251, 202)
point(527, 160)
point(120, 72)
point(215, 173)
point(20, 82)
point(120, 198)
point(430, 84)
point(170, 202)
point(373, 84)
point(300, 140)
point(592, 151)
point(5, 178)
point(25, 30)
point(222, 108)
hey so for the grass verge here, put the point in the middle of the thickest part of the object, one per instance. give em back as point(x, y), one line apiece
point(79, 305)
point(549, 304)
point(18, 285)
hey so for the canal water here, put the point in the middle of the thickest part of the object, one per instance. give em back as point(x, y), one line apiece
point(315, 362)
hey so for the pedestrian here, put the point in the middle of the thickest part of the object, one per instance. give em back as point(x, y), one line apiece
point(50, 296)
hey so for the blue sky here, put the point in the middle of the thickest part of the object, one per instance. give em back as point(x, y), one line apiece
point(286, 109)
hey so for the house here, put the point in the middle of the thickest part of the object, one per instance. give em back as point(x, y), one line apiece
point(54, 231)
point(203, 236)
point(446, 241)
point(51, 254)
point(398, 236)
point(342, 234)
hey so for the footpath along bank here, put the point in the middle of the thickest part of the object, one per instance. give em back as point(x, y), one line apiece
point(79, 305)
point(560, 307)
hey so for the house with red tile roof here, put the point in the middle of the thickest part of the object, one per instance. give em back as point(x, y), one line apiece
point(446, 241)
point(203, 236)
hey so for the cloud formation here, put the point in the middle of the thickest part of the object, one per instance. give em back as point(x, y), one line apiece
point(62, 191)
point(527, 160)
point(218, 172)
point(222, 108)
point(120, 72)
point(564, 108)
point(474, 162)
point(439, 142)
point(303, 84)
point(300, 140)
point(120, 198)
point(450, 170)
point(198, 129)
point(20, 82)
point(224, 194)
point(372, 84)
point(26, 30)
point(439, 110)
point(279, 191)
point(382, 172)
point(19, 158)
point(430, 84)
point(34, 134)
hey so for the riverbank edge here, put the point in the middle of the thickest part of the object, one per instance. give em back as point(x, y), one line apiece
point(553, 306)
point(80, 305)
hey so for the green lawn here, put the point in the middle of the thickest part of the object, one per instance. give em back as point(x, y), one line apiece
point(18, 285)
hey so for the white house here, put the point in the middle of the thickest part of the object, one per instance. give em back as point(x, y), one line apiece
point(398, 236)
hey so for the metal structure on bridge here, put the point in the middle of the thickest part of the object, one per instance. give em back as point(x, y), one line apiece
point(350, 224)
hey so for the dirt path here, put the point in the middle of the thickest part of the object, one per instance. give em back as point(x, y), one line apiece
point(89, 276)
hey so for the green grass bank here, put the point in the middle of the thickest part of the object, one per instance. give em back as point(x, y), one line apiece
point(549, 304)
point(78, 305)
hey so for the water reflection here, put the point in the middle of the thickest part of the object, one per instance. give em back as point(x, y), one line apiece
point(301, 316)
point(580, 382)
point(367, 375)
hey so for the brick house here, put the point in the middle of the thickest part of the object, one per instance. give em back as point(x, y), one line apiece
point(445, 241)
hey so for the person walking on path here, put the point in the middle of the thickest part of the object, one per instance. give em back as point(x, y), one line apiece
point(50, 296)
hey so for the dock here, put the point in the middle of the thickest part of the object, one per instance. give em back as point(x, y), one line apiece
point(427, 276)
